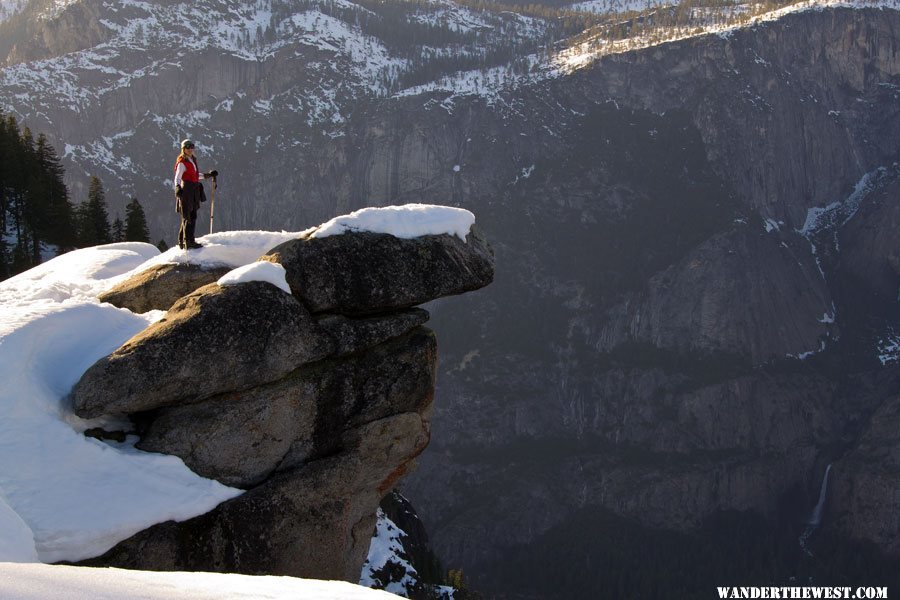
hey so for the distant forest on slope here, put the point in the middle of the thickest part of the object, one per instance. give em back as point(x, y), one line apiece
point(37, 217)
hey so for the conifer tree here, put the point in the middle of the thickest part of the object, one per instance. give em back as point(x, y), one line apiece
point(59, 225)
point(20, 256)
point(34, 202)
point(93, 217)
point(136, 223)
point(6, 149)
point(118, 230)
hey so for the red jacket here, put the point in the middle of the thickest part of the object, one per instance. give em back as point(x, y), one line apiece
point(190, 170)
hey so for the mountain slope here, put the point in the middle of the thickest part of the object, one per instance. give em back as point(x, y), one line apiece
point(695, 304)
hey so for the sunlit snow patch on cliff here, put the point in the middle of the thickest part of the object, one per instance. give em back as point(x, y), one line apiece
point(591, 48)
point(407, 221)
point(259, 271)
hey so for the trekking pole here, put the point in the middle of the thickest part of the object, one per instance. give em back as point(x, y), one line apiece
point(212, 206)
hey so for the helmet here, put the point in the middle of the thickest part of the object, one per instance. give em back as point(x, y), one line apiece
point(186, 143)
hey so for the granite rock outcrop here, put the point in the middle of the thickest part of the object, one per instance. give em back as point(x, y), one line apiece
point(316, 416)
point(375, 272)
point(159, 287)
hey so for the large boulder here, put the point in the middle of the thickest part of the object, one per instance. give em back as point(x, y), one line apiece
point(215, 340)
point(316, 413)
point(240, 438)
point(361, 273)
point(313, 518)
point(160, 286)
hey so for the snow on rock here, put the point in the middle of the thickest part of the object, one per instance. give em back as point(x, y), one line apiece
point(228, 248)
point(838, 213)
point(258, 271)
point(407, 221)
point(808, 353)
point(387, 547)
point(37, 582)
point(387, 567)
point(9, 8)
point(77, 496)
point(619, 6)
point(889, 347)
point(77, 274)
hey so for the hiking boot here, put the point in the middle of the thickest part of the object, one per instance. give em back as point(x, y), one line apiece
point(193, 245)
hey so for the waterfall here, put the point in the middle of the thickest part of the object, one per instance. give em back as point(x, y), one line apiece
point(815, 519)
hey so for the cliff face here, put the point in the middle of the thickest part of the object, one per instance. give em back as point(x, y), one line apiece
point(673, 333)
point(316, 414)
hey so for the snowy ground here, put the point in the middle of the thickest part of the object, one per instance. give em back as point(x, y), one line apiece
point(39, 582)
point(64, 496)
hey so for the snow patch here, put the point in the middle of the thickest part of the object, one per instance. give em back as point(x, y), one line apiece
point(407, 221)
point(808, 353)
point(888, 348)
point(620, 6)
point(772, 225)
point(37, 582)
point(77, 496)
point(838, 213)
point(8, 8)
point(259, 271)
point(227, 248)
point(386, 548)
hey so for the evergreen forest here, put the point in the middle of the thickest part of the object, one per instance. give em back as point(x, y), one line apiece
point(38, 219)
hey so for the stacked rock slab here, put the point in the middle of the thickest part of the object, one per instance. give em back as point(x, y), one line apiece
point(160, 286)
point(315, 402)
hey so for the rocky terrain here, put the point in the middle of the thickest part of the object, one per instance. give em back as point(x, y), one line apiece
point(317, 414)
point(695, 309)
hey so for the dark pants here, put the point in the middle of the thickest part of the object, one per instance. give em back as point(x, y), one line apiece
point(188, 202)
point(186, 231)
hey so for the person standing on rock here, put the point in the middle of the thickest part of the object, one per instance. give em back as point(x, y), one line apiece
point(189, 194)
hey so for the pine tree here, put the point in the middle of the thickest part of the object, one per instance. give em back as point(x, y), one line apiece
point(93, 217)
point(58, 226)
point(118, 230)
point(136, 223)
point(6, 154)
point(34, 201)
